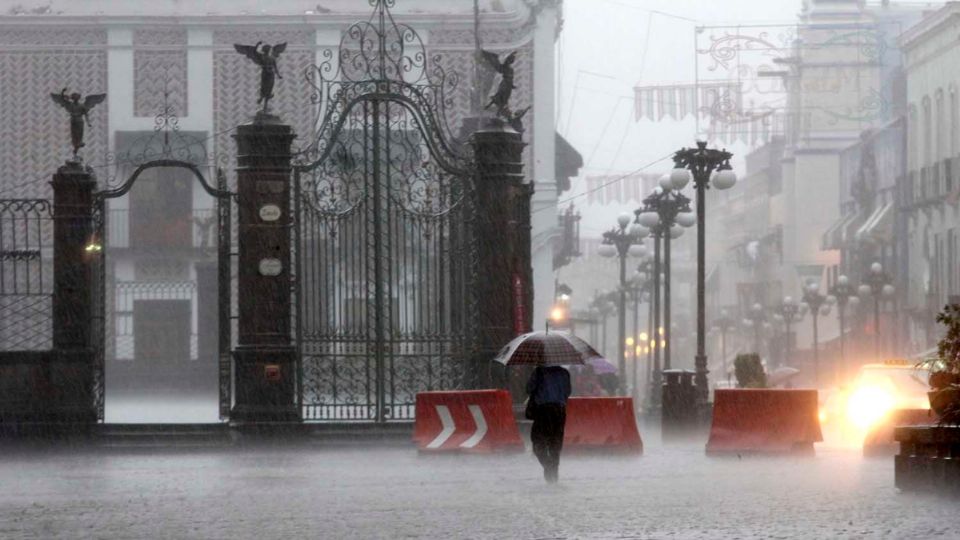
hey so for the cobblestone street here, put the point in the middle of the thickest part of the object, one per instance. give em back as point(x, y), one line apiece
point(670, 492)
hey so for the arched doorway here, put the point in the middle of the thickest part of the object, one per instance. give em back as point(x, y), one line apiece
point(164, 294)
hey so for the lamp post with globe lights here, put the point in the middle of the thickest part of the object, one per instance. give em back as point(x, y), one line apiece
point(623, 241)
point(706, 166)
point(818, 304)
point(789, 312)
point(665, 212)
point(877, 283)
point(846, 295)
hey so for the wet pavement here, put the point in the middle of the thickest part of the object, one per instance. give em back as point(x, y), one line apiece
point(285, 492)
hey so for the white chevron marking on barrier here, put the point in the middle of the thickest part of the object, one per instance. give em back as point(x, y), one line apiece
point(481, 427)
point(448, 427)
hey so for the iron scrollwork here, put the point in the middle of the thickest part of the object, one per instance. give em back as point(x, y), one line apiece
point(384, 229)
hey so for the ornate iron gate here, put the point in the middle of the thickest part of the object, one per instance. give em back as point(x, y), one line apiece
point(385, 251)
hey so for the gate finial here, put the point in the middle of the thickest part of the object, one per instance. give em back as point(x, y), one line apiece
point(78, 114)
point(501, 98)
point(265, 57)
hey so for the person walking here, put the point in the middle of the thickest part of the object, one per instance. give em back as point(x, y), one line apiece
point(548, 388)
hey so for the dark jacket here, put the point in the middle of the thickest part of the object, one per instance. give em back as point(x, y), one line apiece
point(549, 384)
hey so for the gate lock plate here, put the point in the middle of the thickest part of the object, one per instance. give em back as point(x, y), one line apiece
point(271, 372)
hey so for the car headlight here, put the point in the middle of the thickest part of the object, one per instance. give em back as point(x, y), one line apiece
point(868, 405)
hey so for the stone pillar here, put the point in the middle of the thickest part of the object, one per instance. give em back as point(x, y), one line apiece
point(265, 359)
point(505, 288)
point(69, 373)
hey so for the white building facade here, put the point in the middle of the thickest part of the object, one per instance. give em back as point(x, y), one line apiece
point(932, 186)
point(171, 61)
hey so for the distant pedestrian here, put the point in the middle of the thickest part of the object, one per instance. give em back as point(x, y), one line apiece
point(548, 388)
point(586, 383)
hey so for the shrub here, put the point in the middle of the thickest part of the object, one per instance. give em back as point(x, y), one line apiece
point(945, 369)
point(749, 371)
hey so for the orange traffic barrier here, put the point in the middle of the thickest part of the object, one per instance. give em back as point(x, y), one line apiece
point(764, 421)
point(602, 423)
point(879, 440)
point(469, 421)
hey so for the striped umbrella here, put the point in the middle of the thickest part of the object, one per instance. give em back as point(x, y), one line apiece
point(546, 349)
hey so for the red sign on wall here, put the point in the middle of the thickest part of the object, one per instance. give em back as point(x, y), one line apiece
point(519, 309)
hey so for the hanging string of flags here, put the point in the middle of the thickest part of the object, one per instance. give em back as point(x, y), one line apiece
point(678, 101)
point(610, 189)
point(754, 128)
point(719, 104)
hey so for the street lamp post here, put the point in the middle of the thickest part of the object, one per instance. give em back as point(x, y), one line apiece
point(623, 241)
point(789, 312)
point(846, 295)
point(818, 304)
point(877, 283)
point(665, 213)
point(724, 324)
point(701, 162)
point(640, 285)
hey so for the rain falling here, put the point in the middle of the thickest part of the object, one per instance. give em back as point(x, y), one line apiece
point(479, 269)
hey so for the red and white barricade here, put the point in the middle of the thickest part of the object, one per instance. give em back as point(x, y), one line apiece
point(467, 421)
point(764, 421)
point(602, 423)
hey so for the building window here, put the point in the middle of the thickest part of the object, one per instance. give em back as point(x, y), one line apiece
point(954, 147)
point(927, 127)
point(940, 132)
point(913, 136)
point(161, 204)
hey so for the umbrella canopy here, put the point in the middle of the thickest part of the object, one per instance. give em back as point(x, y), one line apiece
point(545, 349)
point(781, 375)
point(601, 366)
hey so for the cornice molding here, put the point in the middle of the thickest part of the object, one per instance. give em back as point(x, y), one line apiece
point(929, 25)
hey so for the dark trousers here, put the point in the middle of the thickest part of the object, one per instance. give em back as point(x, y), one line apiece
point(547, 435)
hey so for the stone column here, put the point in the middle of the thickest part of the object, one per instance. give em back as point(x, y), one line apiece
point(505, 288)
point(69, 373)
point(265, 359)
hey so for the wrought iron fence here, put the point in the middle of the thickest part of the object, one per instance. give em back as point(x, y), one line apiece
point(26, 274)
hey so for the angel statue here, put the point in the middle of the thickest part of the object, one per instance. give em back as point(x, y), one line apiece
point(516, 120)
point(265, 57)
point(501, 98)
point(78, 113)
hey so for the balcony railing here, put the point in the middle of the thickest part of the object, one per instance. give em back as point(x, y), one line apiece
point(196, 229)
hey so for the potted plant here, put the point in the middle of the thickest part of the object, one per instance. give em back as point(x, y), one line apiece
point(749, 371)
point(945, 369)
